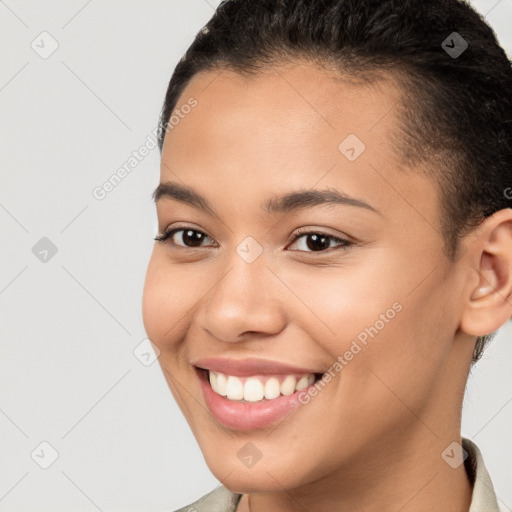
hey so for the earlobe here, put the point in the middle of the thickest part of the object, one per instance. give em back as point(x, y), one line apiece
point(489, 303)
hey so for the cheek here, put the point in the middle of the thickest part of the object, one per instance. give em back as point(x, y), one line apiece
point(152, 305)
point(374, 316)
point(172, 297)
point(350, 302)
point(400, 360)
point(164, 301)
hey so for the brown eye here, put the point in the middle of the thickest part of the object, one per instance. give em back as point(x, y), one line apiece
point(318, 242)
point(189, 237)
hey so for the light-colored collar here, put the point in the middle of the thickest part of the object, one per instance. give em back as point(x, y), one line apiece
point(484, 497)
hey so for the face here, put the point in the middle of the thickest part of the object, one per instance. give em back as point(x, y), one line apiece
point(309, 254)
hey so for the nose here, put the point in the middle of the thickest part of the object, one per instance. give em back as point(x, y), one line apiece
point(247, 299)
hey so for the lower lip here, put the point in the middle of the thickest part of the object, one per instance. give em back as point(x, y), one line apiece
point(247, 415)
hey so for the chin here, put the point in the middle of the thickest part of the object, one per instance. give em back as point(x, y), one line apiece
point(246, 482)
point(265, 476)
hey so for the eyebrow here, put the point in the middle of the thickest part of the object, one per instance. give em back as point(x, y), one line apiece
point(289, 202)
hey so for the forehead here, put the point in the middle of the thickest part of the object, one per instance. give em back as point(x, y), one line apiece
point(286, 106)
point(295, 126)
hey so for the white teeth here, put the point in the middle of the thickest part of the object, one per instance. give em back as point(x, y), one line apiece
point(234, 388)
point(272, 388)
point(213, 381)
point(222, 383)
point(255, 389)
point(288, 385)
point(302, 383)
point(218, 383)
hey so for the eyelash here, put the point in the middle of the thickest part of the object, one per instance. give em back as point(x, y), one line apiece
point(344, 244)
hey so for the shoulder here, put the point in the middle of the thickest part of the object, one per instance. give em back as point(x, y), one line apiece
point(218, 500)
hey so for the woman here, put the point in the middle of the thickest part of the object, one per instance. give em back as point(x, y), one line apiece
point(334, 250)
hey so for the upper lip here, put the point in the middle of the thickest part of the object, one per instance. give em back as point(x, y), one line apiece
point(249, 366)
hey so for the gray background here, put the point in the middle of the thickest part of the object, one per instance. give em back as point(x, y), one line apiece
point(70, 324)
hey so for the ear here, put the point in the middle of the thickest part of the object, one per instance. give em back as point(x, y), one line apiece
point(489, 301)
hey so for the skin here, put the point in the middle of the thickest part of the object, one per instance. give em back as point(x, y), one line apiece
point(372, 439)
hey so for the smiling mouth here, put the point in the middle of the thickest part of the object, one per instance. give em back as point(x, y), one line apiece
point(257, 388)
